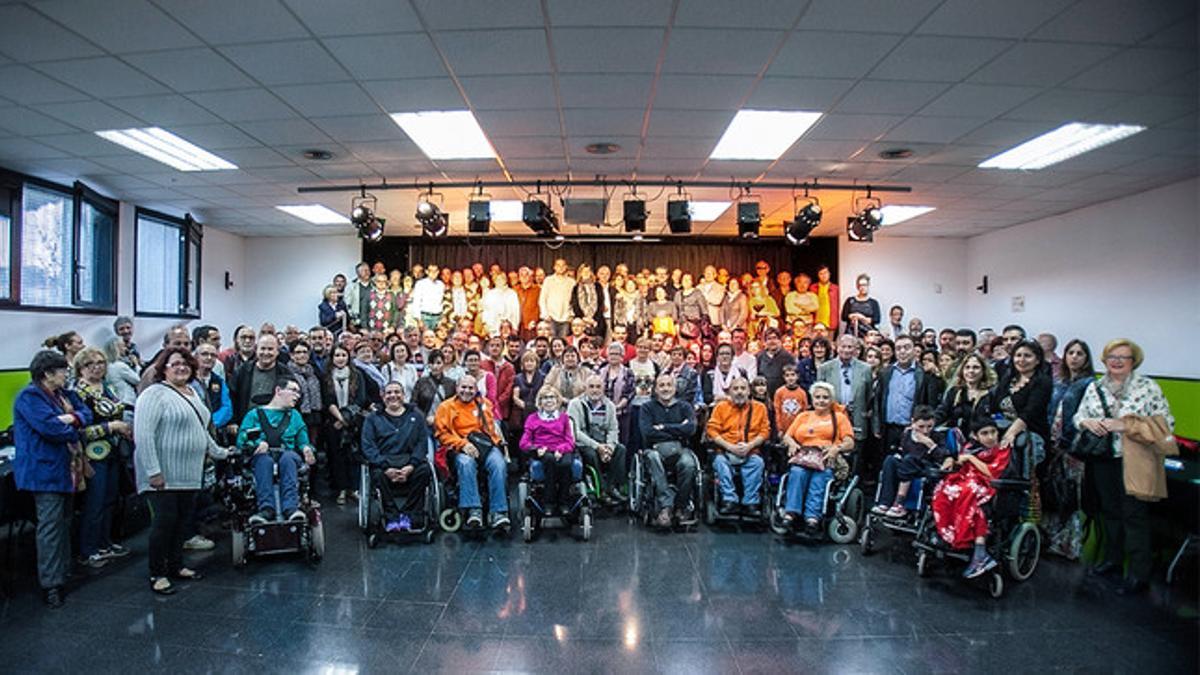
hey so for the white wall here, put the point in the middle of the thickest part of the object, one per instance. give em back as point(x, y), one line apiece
point(284, 276)
point(926, 276)
point(221, 307)
point(1124, 268)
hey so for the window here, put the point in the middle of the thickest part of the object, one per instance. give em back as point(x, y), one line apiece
point(96, 269)
point(167, 268)
point(47, 247)
point(6, 247)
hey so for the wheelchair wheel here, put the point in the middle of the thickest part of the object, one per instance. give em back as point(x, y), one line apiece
point(710, 512)
point(372, 540)
point(527, 528)
point(585, 525)
point(237, 545)
point(450, 520)
point(776, 523)
point(316, 542)
point(866, 541)
point(365, 498)
point(1024, 551)
point(842, 529)
point(854, 506)
point(922, 563)
point(996, 585)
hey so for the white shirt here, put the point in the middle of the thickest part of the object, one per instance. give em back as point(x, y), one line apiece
point(555, 299)
point(747, 362)
point(500, 305)
point(428, 294)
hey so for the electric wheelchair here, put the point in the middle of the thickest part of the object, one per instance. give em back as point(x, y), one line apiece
point(530, 499)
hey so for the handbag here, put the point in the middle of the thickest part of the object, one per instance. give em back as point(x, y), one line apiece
point(811, 457)
point(1088, 445)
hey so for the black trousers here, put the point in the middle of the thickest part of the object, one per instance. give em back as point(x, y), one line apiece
point(557, 479)
point(614, 474)
point(412, 490)
point(1126, 519)
point(337, 451)
point(898, 469)
point(169, 514)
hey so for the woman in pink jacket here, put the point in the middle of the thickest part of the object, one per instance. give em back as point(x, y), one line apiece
point(550, 442)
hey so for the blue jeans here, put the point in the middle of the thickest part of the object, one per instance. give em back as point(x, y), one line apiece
point(95, 526)
point(806, 491)
point(752, 472)
point(468, 484)
point(289, 482)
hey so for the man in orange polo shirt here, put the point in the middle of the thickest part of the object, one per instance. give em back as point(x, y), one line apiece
point(454, 422)
point(737, 428)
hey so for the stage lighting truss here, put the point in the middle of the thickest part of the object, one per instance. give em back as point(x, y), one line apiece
point(435, 222)
point(808, 218)
point(363, 218)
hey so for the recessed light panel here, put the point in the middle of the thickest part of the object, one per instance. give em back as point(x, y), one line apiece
point(164, 146)
point(762, 134)
point(316, 214)
point(446, 134)
point(1063, 143)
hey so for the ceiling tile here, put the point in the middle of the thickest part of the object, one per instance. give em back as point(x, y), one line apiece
point(1006, 133)
point(26, 122)
point(605, 122)
point(83, 145)
point(299, 62)
point(1041, 63)
point(245, 105)
point(355, 17)
point(662, 147)
point(1113, 21)
point(720, 51)
point(1064, 105)
point(607, 50)
point(1149, 110)
point(90, 115)
point(888, 97)
point(977, 100)
point(742, 14)
point(706, 124)
point(130, 162)
point(888, 16)
point(609, 13)
point(809, 150)
point(28, 36)
point(435, 93)
point(807, 53)
point(358, 127)
point(510, 92)
point(466, 14)
point(25, 85)
point(938, 59)
point(604, 91)
point(325, 100)
point(1012, 18)
point(476, 52)
point(120, 27)
point(188, 70)
point(538, 122)
point(523, 147)
point(933, 129)
point(256, 20)
point(385, 57)
point(356, 171)
point(285, 132)
point(849, 127)
point(1180, 34)
point(386, 151)
point(255, 158)
point(216, 136)
point(102, 77)
point(1135, 70)
point(798, 93)
point(165, 110)
point(698, 92)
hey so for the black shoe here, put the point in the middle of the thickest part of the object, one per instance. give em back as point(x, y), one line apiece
point(812, 528)
point(726, 509)
point(1105, 569)
point(53, 597)
point(751, 511)
point(1132, 586)
point(687, 517)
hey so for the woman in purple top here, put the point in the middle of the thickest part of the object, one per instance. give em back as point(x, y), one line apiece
point(549, 440)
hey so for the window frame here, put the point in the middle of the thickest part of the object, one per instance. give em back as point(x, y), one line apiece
point(85, 195)
point(190, 233)
point(13, 300)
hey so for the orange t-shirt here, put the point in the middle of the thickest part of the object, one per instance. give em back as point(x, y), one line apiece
point(729, 422)
point(788, 404)
point(815, 430)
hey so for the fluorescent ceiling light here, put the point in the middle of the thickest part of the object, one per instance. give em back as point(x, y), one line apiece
point(1065, 142)
point(707, 211)
point(507, 211)
point(446, 134)
point(164, 146)
point(894, 214)
point(317, 214)
point(762, 134)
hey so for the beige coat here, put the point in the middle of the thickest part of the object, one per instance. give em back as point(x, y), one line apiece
point(1145, 441)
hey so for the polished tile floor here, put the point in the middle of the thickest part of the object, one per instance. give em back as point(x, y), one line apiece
point(629, 601)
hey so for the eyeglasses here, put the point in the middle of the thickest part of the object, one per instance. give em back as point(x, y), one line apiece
point(179, 364)
point(93, 364)
point(1116, 357)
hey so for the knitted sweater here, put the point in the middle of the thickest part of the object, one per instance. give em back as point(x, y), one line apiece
point(554, 435)
point(171, 437)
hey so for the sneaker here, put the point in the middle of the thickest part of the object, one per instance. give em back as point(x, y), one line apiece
point(663, 519)
point(116, 551)
point(199, 543)
point(812, 527)
point(94, 561)
point(727, 509)
point(880, 509)
point(297, 516)
point(392, 526)
point(404, 524)
point(499, 520)
point(896, 511)
point(341, 498)
point(263, 517)
point(353, 494)
point(474, 519)
point(979, 567)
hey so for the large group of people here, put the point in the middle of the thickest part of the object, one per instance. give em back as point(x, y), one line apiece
point(600, 364)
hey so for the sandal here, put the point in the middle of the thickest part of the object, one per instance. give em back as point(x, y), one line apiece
point(186, 574)
point(162, 586)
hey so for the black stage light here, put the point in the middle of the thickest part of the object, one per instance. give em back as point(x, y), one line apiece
point(434, 222)
point(872, 217)
point(539, 217)
point(360, 215)
point(479, 217)
point(679, 216)
point(749, 219)
point(635, 215)
point(857, 229)
point(807, 220)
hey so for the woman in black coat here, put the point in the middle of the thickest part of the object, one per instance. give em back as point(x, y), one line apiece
point(345, 397)
point(1023, 395)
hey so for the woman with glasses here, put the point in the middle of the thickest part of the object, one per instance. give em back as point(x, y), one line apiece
point(549, 439)
point(1104, 411)
point(171, 437)
point(101, 440)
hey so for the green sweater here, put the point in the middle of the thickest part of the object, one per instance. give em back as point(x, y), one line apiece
point(295, 434)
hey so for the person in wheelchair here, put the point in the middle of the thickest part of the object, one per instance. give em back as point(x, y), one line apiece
point(277, 426)
point(667, 424)
point(737, 430)
point(395, 443)
point(466, 431)
point(959, 498)
point(814, 441)
point(549, 440)
point(918, 452)
point(597, 430)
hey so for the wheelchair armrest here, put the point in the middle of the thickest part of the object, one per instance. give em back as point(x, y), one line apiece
point(1011, 484)
point(936, 473)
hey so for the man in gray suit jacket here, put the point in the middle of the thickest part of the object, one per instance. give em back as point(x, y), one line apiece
point(851, 380)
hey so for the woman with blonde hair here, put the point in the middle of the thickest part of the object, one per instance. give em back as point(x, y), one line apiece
point(549, 440)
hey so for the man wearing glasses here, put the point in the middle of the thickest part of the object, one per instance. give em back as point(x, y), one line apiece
point(851, 380)
point(276, 434)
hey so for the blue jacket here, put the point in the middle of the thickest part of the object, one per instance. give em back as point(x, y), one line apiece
point(216, 397)
point(42, 462)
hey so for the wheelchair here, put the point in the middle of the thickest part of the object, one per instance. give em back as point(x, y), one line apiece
point(450, 517)
point(641, 491)
point(841, 513)
point(281, 536)
point(1012, 540)
point(371, 514)
point(530, 496)
point(712, 496)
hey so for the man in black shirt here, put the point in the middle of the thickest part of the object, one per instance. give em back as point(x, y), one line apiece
point(771, 361)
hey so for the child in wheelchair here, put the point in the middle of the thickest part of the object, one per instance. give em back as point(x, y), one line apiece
point(919, 451)
point(395, 446)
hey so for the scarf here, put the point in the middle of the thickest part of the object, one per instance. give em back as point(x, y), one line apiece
point(341, 385)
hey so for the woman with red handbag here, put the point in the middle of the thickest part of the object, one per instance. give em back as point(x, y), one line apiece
point(814, 440)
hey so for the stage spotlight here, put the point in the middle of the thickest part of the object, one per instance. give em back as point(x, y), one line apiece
point(635, 215)
point(479, 216)
point(363, 218)
point(857, 229)
point(373, 230)
point(434, 222)
point(872, 217)
point(360, 215)
point(749, 219)
point(679, 216)
point(807, 220)
point(540, 218)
